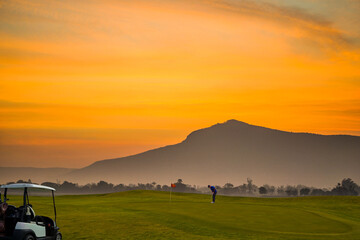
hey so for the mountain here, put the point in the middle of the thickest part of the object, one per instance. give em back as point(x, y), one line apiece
point(233, 151)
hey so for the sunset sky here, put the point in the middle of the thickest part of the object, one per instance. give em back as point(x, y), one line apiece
point(82, 81)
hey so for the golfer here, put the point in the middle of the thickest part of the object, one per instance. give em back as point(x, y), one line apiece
point(213, 189)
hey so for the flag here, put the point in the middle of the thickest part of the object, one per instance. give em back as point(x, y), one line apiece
point(172, 186)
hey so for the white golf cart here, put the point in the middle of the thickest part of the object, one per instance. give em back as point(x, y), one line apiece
point(22, 223)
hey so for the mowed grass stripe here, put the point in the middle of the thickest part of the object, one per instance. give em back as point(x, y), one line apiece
point(150, 215)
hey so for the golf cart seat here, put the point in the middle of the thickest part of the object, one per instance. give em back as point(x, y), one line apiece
point(50, 226)
point(29, 214)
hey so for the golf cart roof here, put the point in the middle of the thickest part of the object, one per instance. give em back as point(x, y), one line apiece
point(27, 185)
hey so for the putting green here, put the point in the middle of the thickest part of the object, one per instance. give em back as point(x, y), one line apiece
point(150, 215)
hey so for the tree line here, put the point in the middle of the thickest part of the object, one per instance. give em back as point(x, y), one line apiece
point(346, 187)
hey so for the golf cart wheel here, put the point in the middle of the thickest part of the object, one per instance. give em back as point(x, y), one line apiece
point(58, 236)
point(29, 237)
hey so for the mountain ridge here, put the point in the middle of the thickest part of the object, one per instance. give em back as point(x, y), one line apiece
point(218, 124)
point(234, 144)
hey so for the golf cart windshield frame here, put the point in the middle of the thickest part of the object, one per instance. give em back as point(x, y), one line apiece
point(25, 186)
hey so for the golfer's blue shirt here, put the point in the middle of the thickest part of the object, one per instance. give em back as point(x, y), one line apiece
point(213, 189)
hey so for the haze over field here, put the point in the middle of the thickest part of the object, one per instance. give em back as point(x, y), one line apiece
point(89, 80)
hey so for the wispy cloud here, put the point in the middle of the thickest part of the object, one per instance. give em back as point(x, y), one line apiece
point(16, 105)
point(314, 25)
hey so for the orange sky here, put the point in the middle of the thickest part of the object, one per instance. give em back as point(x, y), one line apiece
point(81, 81)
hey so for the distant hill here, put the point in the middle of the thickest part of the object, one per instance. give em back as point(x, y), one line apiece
point(38, 175)
point(233, 151)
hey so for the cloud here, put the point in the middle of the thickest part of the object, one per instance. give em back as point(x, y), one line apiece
point(16, 105)
point(312, 25)
point(143, 23)
point(80, 14)
point(10, 53)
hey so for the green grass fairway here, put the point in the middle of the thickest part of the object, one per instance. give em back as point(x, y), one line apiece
point(149, 215)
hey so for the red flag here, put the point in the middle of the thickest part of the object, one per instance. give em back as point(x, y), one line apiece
point(173, 185)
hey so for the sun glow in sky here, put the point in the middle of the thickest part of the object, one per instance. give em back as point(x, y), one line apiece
point(82, 81)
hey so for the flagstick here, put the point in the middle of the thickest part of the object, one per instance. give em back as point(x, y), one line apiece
point(170, 192)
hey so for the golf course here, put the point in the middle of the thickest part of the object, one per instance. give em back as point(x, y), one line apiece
point(150, 215)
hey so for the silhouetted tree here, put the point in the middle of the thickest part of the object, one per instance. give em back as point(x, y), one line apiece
point(141, 186)
point(21, 181)
point(269, 189)
point(318, 192)
point(350, 186)
point(68, 187)
point(242, 188)
point(149, 186)
point(262, 190)
point(228, 189)
point(86, 188)
point(119, 188)
point(103, 186)
point(250, 186)
point(180, 187)
point(304, 191)
point(347, 187)
point(291, 191)
point(280, 190)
